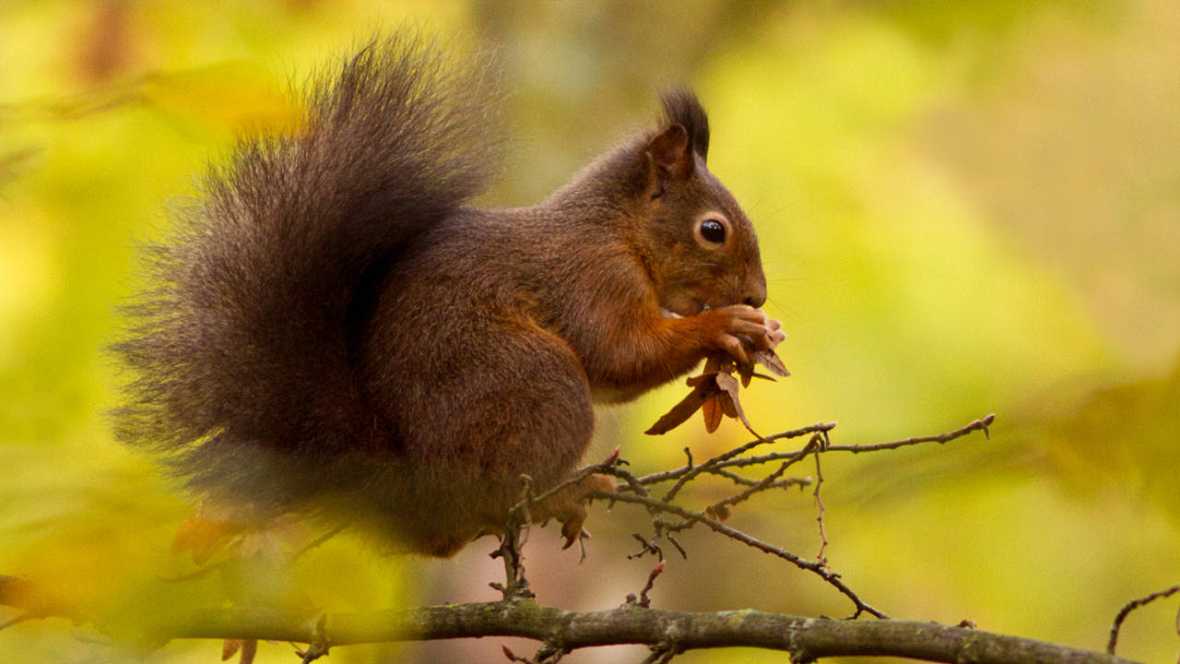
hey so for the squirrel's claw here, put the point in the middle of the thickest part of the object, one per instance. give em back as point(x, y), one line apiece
point(569, 506)
point(570, 532)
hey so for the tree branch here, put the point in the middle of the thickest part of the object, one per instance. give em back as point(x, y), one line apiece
point(667, 633)
point(806, 639)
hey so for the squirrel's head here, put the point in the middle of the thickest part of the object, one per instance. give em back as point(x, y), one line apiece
point(698, 245)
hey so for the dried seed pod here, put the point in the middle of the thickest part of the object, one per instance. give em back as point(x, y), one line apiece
point(715, 392)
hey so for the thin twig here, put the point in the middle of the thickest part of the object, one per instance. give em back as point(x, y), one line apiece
point(323, 538)
point(643, 600)
point(981, 424)
point(721, 507)
point(513, 657)
point(647, 547)
point(822, 571)
point(820, 510)
point(17, 619)
point(728, 459)
point(1131, 606)
point(221, 564)
point(512, 540)
point(319, 645)
point(718, 461)
point(745, 481)
point(661, 654)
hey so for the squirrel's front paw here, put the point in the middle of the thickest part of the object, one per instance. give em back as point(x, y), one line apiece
point(569, 506)
point(734, 328)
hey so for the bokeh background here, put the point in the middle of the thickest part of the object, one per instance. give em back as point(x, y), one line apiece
point(964, 208)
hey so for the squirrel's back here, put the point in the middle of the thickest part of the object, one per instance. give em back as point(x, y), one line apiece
point(244, 350)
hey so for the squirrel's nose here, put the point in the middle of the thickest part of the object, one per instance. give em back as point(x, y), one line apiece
point(755, 294)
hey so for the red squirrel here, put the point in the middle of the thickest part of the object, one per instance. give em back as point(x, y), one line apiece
point(335, 331)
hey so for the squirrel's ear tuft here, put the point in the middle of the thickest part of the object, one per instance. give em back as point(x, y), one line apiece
point(681, 107)
point(670, 151)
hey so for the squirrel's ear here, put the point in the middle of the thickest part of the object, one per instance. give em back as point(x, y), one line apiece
point(670, 152)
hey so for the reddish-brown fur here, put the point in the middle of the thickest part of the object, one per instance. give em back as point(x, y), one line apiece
point(337, 333)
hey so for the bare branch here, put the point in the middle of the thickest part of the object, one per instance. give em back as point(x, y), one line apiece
point(719, 461)
point(820, 509)
point(806, 639)
point(729, 459)
point(643, 601)
point(222, 564)
point(16, 620)
point(721, 507)
point(714, 514)
point(815, 567)
point(666, 633)
point(982, 424)
point(1131, 606)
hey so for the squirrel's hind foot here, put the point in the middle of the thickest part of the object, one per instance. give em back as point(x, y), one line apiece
point(569, 506)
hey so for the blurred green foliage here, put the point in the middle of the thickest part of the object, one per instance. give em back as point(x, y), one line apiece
point(964, 207)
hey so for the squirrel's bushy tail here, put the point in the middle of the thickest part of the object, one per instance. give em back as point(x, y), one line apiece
point(242, 350)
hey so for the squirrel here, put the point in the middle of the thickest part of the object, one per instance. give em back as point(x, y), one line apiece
point(334, 330)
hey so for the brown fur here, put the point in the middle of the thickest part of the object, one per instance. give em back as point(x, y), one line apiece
point(335, 332)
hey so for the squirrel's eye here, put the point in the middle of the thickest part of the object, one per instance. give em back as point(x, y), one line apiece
point(713, 231)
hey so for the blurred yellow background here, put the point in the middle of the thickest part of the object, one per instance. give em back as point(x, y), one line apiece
point(963, 207)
